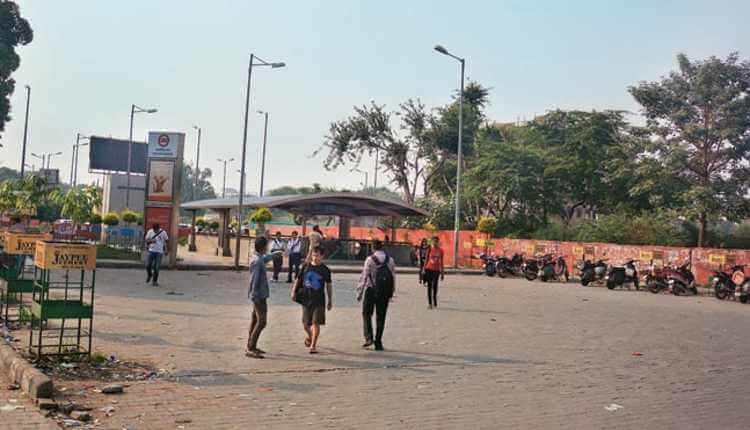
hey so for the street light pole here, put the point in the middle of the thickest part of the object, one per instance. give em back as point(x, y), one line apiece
point(263, 160)
point(457, 220)
point(192, 247)
point(133, 110)
point(25, 131)
point(244, 150)
point(78, 150)
point(224, 186)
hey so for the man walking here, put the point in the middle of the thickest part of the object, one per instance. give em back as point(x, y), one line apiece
point(277, 249)
point(258, 294)
point(309, 292)
point(376, 287)
point(294, 251)
point(156, 240)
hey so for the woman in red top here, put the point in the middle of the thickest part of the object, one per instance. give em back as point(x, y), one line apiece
point(434, 270)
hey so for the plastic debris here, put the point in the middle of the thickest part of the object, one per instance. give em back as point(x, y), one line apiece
point(614, 407)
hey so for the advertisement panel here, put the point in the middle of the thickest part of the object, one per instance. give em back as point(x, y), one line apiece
point(23, 243)
point(160, 181)
point(163, 144)
point(111, 155)
point(65, 255)
point(159, 215)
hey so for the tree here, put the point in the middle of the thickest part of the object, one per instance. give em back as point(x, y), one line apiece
point(699, 118)
point(14, 31)
point(129, 216)
point(203, 191)
point(78, 203)
point(111, 219)
point(403, 154)
point(261, 216)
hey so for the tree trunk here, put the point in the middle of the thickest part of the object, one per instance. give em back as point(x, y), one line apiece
point(701, 229)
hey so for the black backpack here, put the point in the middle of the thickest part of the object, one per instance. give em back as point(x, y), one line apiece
point(383, 282)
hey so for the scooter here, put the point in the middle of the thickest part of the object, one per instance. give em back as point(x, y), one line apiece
point(554, 269)
point(681, 280)
point(725, 286)
point(655, 280)
point(593, 272)
point(618, 276)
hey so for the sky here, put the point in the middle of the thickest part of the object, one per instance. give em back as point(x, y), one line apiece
point(91, 59)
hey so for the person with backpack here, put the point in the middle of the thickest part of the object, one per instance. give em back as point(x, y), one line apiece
point(434, 271)
point(310, 293)
point(377, 284)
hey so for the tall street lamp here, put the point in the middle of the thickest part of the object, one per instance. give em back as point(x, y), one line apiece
point(42, 157)
point(192, 247)
point(25, 130)
point(457, 221)
point(49, 157)
point(133, 110)
point(224, 185)
point(252, 64)
point(263, 159)
point(74, 158)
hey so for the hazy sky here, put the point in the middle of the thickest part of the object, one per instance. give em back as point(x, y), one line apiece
point(90, 59)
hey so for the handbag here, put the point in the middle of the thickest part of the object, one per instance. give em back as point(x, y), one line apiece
point(299, 287)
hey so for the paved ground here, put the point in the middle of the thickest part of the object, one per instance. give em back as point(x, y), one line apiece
point(17, 412)
point(496, 354)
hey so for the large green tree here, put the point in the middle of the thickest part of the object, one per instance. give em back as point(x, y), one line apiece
point(14, 31)
point(699, 119)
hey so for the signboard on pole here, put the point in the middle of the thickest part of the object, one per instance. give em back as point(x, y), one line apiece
point(159, 215)
point(160, 180)
point(164, 144)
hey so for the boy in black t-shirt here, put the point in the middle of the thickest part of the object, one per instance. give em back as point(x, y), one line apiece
point(314, 277)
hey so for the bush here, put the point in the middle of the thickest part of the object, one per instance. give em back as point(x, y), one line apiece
point(111, 219)
point(261, 216)
point(129, 216)
point(201, 222)
point(487, 225)
point(139, 219)
point(213, 225)
point(95, 218)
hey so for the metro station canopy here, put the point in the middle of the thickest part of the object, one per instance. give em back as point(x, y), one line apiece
point(330, 204)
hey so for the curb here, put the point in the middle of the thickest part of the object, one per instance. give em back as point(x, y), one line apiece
point(32, 381)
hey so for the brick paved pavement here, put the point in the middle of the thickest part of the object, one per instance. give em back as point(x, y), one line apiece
point(496, 354)
point(18, 412)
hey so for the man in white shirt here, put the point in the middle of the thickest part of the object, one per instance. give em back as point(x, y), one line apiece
point(294, 251)
point(278, 245)
point(156, 240)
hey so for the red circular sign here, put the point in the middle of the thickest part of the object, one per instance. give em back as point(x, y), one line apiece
point(163, 140)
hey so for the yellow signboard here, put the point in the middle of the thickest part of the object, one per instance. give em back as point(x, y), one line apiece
point(647, 255)
point(65, 255)
point(23, 243)
point(578, 250)
point(716, 259)
point(467, 245)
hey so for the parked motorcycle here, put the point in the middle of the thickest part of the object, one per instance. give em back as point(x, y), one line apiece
point(618, 276)
point(530, 268)
point(681, 280)
point(743, 290)
point(554, 269)
point(593, 272)
point(489, 262)
point(655, 280)
point(509, 266)
point(724, 284)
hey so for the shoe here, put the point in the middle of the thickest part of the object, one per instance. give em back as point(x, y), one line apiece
point(367, 344)
point(260, 351)
point(429, 306)
point(378, 346)
point(253, 354)
point(155, 284)
point(148, 279)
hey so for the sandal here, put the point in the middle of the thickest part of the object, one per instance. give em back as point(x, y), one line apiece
point(313, 351)
point(253, 354)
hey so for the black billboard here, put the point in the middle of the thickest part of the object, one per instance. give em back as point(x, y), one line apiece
point(111, 155)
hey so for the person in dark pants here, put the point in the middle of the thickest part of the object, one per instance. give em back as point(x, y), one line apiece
point(422, 254)
point(294, 251)
point(315, 286)
point(371, 301)
point(434, 270)
point(277, 249)
point(258, 293)
point(156, 239)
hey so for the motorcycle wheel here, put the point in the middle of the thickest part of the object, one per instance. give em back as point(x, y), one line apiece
point(743, 299)
point(721, 292)
point(678, 289)
point(611, 285)
point(502, 273)
point(694, 290)
point(653, 287)
point(529, 275)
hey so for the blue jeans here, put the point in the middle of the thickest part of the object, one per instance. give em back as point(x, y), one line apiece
point(153, 263)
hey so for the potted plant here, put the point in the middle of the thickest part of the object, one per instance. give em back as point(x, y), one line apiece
point(260, 217)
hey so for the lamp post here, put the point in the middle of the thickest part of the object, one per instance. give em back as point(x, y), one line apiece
point(457, 221)
point(42, 157)
point(252, 64)
point(224, 185)
point(263, 159)
point(74, 159)
point(25, 130)
point(49, 157)
point(133, 110)
point(192, 247)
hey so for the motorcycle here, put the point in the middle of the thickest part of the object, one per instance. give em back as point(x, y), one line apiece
point(725, 286)
point(489, 262)
point(554, 269)
point(618, 276)
point(509, 266)
point(681, 280)
point(530, 269)
point(743, 290)
point(655, 280)
point(592, 272)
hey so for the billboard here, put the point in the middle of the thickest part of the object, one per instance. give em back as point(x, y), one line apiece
point(161, 181)
point(52, 176)
point(111, 155)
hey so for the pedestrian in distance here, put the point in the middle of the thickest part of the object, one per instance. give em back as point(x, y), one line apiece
point(375, 290)
point(434, 270)
point(310, 290)
point(422, 255)
point(294, 251)
point(157, 241)
point(278, 246)
point(258, 293)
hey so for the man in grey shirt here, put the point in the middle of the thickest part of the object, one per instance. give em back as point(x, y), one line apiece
point(258, 293)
